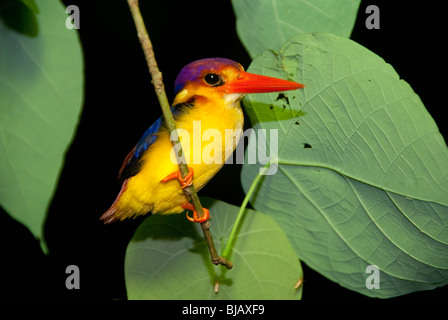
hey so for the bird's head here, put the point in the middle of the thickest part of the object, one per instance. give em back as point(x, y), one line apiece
point(220, 78)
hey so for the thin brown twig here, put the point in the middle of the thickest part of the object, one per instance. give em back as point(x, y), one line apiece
point(169, 120)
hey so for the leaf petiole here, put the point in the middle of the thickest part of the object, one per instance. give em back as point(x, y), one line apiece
point(229, 245)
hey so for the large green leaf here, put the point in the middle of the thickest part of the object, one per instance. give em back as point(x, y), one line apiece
point(362, 176)
point(41, 90)
point(267, 24)
point(167, 258)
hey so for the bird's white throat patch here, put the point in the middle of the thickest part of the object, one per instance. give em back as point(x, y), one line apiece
point(233, 99)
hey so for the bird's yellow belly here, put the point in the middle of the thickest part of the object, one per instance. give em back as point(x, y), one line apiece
point(206, 147)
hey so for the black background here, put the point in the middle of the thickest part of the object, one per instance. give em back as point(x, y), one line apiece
point(120, 104)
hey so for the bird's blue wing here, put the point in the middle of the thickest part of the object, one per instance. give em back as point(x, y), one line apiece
point(132, 164)
point(148, 138)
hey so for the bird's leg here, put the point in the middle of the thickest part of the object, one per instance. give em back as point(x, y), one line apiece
point(196, 218)
point(185, 181)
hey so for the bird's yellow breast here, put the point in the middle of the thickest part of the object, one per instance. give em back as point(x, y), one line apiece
point(209, 132)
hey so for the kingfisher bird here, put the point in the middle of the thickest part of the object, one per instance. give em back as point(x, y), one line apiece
point(207, 92)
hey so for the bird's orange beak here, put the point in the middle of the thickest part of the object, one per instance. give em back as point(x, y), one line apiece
point(254, 83)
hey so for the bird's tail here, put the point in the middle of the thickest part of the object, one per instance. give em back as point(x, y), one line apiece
point(114, 214)
point(109, 216)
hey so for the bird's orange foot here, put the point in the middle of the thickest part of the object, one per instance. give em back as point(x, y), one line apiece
point(185, 182)
point(196, 218)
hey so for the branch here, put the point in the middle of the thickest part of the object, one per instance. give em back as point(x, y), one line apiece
point(169, 120)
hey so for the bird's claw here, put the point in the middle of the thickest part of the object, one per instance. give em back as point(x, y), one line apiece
point(184, 181)
point(196, 218)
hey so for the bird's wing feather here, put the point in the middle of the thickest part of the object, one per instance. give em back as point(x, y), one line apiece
point(131, 164)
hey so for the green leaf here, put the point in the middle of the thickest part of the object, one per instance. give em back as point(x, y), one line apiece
point(41, 90)
point(20, 16)
point(266, 24)
point(362, 176)
point(31, 4)
point(167, 258)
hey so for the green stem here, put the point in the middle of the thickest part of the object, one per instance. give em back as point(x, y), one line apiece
point(229, 245)
point(159, 87)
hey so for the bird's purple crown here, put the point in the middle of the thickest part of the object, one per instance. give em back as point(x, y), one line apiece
point(194, 70)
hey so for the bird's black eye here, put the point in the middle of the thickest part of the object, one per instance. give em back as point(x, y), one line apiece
point(213, 79)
